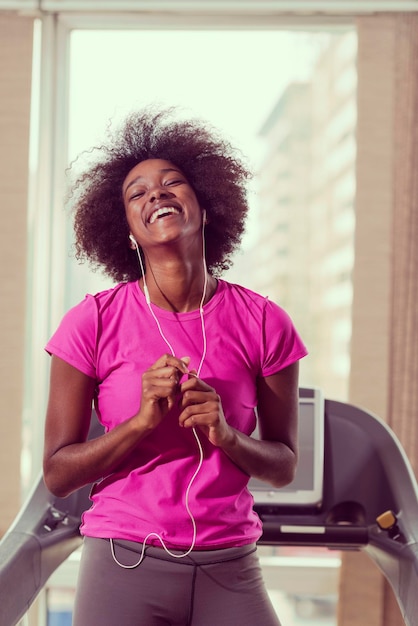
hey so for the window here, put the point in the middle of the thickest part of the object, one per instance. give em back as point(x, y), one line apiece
point(241, 81)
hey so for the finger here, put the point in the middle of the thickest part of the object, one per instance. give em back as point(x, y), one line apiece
point(192, 383)
point(168, 360)
point(196, 414)
point(192, 398)
point(168, 372)
point(155, 387)
point(187, 420)
point(186, 360)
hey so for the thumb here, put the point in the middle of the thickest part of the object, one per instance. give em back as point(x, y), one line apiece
point(186, 360)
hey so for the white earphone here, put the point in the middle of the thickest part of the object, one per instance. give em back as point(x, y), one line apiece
point(200, 448)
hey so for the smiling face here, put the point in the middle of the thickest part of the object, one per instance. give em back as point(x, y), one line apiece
point(160, 204)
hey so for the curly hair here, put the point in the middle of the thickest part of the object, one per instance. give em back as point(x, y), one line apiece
point(210, 164)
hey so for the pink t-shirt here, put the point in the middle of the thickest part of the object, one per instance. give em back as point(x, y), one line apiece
point(113, 338)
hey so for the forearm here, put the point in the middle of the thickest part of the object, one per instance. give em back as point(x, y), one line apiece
point(271, 458)
point(78, 464)
point(270, 461)
point(70, 461)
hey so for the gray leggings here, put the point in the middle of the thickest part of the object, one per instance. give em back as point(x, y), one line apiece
point(206, 588)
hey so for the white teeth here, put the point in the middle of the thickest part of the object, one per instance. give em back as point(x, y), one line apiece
point(163, 211)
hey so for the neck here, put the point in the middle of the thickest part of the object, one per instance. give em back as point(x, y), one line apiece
point(178, 286)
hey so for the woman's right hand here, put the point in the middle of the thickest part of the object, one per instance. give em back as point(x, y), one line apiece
point(160, 387)
point(70, 460)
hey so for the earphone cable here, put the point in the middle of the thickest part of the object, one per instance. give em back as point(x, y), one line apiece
point(199, 444)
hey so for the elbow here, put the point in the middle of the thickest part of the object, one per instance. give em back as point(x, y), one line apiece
point(54, 481)
point(287, 471)
point(282, 480)
point(57, 490)
point(54, 487)
point(286, 477)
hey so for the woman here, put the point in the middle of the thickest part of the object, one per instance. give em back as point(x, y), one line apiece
point(177, 363)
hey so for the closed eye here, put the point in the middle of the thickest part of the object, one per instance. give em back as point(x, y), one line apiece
point(177, 181)
point(137, 194)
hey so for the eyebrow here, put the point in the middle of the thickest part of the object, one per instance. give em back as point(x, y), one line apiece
point(162, 171)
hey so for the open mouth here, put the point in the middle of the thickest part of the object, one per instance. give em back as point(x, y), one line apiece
point(163, 212)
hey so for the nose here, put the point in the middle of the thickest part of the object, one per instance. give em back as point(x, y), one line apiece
point(158, 193)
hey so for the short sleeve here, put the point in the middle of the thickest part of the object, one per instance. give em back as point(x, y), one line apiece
point(282, 344)
point(74, 341)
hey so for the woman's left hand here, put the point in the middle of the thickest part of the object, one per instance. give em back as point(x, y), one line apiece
point(201, 406)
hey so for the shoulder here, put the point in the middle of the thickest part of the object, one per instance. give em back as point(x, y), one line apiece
point(108, 301)
point(258, 311)
point(85, 315)
point(251, 300)
point(76, 338)
point(240, 294)
point(112, 297)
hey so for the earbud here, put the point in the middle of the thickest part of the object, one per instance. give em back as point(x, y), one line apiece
point(204, 216)
point(146, 293)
